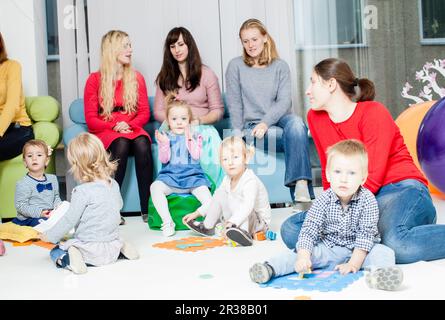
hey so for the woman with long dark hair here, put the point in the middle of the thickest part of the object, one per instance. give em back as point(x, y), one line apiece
point(185, 76)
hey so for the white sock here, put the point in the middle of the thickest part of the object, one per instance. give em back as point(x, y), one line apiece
point(302, 191)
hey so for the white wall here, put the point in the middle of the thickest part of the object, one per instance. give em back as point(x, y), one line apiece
point(148, 22)
point(277, 15)
point(23, 26)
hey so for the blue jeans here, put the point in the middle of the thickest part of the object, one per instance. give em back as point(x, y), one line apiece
point(289, 135)
point(324, 257)
point(57, 253)
point(406, 224)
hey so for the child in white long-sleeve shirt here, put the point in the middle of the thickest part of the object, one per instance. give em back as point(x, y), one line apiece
point(94, 211)
point(241, 201)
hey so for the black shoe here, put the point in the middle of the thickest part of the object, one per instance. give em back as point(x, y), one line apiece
point(122, 221)
point(145, 218)
point(240, 236)
point(199, 228)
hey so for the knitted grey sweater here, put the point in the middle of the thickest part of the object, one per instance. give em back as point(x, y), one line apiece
point(257, 94)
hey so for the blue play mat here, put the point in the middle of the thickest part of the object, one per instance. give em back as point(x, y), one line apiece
point(321, 280)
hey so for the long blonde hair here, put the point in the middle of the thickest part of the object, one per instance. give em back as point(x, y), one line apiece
point(89, 160)
point(269, 53)
point(112, 44)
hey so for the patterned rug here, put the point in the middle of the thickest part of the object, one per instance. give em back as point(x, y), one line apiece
point(321, 280)
point(191, 244)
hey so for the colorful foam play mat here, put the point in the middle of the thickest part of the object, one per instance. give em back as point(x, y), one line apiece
point(321, 280)
point(46, 245)
point(191, 244)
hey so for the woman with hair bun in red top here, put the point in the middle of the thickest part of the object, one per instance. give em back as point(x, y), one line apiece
point(407, 214)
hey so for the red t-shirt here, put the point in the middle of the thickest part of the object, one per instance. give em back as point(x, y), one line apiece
point(104, 129)
point(389, 160)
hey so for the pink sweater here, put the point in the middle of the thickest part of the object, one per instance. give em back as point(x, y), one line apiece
point(205, 98)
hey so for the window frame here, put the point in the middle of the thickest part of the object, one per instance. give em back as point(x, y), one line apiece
point(299, 43)
point(50, 57)
point(426, 41)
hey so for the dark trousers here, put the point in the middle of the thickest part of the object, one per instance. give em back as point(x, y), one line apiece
point(121, 149)
point(12, 142)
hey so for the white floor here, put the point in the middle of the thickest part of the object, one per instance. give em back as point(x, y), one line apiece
point(28, 273)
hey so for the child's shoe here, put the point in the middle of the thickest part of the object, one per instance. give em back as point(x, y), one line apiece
point(240, 236)
point(387, 278)
point(76, 263)
point(168, 229)
point(261, 272)
point(129, 252)
point(122, 221)
point(199, 228)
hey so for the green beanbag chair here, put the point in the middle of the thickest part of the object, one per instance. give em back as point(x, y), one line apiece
point(179, 205)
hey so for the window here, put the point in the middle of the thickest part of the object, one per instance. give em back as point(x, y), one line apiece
point(52, 30)
point(432, 21)
point(328, 23)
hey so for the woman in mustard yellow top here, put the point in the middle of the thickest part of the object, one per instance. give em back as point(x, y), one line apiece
point(15, 125)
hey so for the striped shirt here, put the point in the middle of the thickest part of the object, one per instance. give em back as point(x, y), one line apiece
point(29, 202)
point(352, 227)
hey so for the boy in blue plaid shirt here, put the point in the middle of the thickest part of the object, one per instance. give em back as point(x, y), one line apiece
point(340, 229)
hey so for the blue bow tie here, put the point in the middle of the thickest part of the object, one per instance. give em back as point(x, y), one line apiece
point(44, 186)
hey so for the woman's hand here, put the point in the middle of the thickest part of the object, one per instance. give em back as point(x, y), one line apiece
point(161, 138)
point(195, 122)
point(260, 130)
point(122, 127)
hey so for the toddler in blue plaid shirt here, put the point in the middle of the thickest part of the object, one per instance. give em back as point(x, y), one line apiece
point(340, 229)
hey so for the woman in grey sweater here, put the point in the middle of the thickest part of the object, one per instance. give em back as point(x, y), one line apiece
point(258, 95)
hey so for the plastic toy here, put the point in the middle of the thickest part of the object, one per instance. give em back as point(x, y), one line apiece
point(260, 236)
point(431, 145)
point(270, 235)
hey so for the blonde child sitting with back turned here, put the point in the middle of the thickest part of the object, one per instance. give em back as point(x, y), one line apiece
point(340, 229)
point(37, 193)
point(241, 201)
point(179, 153)
point(94, 211)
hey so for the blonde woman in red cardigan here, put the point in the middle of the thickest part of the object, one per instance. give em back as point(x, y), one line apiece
point(116, 110)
